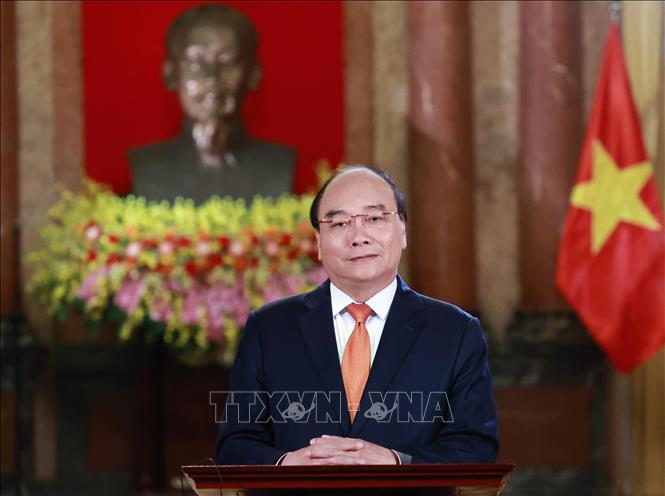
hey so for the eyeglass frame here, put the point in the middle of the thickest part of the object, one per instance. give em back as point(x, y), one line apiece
point(358, 216)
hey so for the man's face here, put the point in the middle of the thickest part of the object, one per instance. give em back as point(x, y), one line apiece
point(360, 255)
point(212, 77)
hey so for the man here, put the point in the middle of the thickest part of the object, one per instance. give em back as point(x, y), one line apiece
point(212, 64)
point(410, 373)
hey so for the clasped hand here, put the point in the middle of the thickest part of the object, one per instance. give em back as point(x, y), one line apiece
point(335, 450)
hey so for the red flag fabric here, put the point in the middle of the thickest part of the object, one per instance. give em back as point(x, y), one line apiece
point(611, 260)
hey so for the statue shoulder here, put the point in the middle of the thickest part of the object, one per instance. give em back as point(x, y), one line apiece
point(159, 169)
point(276, 154)
point(162, 155)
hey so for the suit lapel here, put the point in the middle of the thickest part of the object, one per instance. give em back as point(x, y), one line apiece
point(318, 331)
point(403, 325)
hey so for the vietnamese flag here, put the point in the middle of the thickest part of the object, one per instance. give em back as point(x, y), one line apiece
point(611, 261)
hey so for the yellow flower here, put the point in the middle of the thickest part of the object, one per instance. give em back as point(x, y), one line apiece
point(162, 246)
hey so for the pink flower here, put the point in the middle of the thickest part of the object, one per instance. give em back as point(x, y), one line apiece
point(222, 301)
point(190, 308)
point(305, 245)
point(129, 295)
point(271, 248)
point(213, 302)
point(161, 311)
point(271, 293)
point(293, 284)
point(281, 285)
point(241, 309)
point(88, 288)
point(316, 275)
point(274, 288)
point(173, 286)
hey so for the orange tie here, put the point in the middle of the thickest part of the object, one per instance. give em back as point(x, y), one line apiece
point(356, 358)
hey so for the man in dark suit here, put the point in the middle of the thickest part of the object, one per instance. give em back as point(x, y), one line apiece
point(362, 370)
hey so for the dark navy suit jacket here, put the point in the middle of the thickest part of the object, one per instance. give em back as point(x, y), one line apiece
point(430, 372)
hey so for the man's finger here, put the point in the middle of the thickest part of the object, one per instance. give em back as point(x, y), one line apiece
point(325, 451)
point(346, 443)
point(341, 459)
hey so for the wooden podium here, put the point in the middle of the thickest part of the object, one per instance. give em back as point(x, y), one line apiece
point(434, 479)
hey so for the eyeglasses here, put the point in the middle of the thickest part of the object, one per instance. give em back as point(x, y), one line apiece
point(340, 224)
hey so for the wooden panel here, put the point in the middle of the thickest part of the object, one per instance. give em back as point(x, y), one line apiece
point(72, 332)
point(469, 479)
point(190, 428)
point(8, 163)
point(544, 426)
point(7, 432)
point(111, 423)
point(45, 422)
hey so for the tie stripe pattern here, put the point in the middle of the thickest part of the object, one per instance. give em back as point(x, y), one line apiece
point(356, 357)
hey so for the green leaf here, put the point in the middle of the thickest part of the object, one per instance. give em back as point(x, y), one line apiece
point(93, 327)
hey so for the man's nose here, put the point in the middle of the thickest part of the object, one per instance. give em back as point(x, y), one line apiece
point(358, 233)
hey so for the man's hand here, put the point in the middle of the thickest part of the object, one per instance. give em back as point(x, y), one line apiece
point(298, 457)
point(335, 450)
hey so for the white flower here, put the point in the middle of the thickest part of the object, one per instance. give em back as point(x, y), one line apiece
point(203, 248)
point(236, 248)
point(93, 232)
point(133, 249)
point(166, 248)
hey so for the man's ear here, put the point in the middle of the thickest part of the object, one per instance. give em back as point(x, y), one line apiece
point(318, 244)
point(255, 76)
point(169, 75)
point(403, 232)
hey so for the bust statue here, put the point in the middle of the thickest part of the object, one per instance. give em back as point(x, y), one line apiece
point(212, 63)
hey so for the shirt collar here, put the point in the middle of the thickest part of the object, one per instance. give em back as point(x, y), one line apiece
point(379, 303)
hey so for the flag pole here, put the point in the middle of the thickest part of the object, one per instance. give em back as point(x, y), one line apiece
point(622, 383)
point(623, 476)
point(614, 10)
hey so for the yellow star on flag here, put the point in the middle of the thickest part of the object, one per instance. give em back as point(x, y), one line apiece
point(613, 195)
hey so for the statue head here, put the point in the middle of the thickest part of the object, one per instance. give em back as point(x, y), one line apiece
point(211, 61)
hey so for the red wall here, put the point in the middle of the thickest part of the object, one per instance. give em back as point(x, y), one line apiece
point(300, 101)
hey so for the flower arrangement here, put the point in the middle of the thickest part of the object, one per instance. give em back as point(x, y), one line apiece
point(187, 274)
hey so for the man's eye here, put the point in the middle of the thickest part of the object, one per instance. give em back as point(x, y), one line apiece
point(339, 224)
point(374, 219)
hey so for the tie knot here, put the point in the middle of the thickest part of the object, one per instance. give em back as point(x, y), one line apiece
point(359, 311)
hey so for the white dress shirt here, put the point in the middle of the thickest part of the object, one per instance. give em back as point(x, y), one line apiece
point(344, 323)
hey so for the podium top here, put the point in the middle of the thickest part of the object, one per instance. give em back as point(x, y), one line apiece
point(347, 476)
